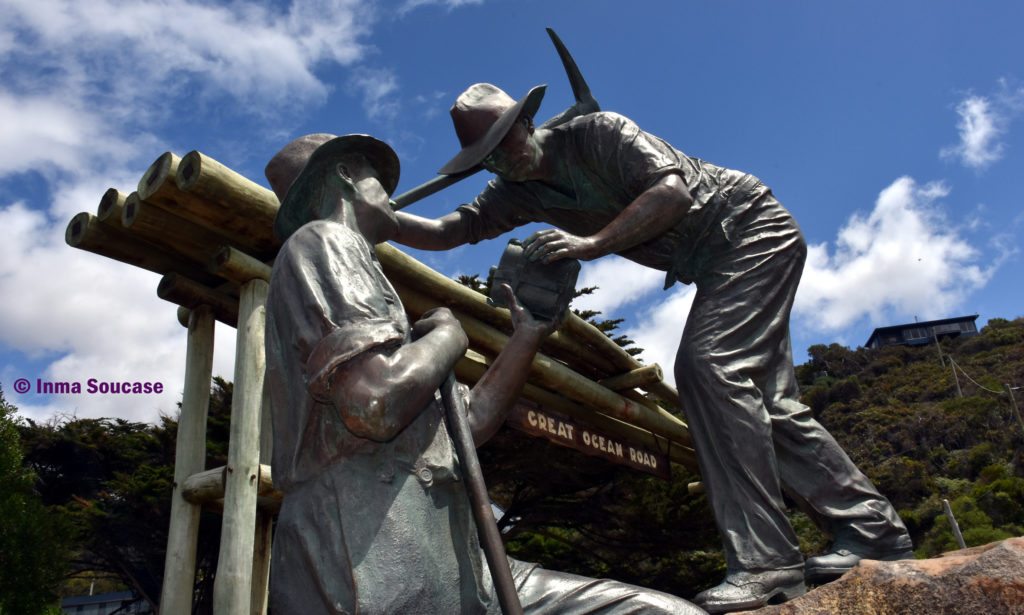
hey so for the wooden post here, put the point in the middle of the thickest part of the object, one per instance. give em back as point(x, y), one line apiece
point(232, 590)
point(189, 459)
point(264, 518)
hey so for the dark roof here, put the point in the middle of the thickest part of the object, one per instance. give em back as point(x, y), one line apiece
point(925, 323)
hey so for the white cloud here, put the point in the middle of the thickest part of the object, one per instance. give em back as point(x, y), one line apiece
point(410, 5)
point(984, 121)
point(980, 128)
point(84, 82)
point(620, 282)
point(903, 259)
point(431, 105)
point(659, 328)
point(378, 88)
point(101, 318)
point(50, 132)
point(87, 89)
point(246, 50)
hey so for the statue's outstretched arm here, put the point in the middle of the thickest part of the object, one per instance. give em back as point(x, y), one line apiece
point(503, 381)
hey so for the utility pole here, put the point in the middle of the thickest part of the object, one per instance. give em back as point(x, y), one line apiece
point(1013, 403)
point(953, 524)
point(952, 364)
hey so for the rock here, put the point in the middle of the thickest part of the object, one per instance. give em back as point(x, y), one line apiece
point(986, 580)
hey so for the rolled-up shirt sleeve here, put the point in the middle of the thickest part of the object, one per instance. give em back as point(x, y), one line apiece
point(501, 207)
point(334, 315)
point(341, 345)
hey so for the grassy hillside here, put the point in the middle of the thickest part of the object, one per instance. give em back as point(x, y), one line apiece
point(898, 413)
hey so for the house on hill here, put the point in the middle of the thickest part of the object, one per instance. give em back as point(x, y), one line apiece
point(920, 333)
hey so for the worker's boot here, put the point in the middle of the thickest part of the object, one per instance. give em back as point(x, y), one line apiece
point(743, 591)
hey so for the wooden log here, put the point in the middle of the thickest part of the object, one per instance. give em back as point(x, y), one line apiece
point(555, 376)
point(189, 456)
point(86, 232)
point(237, 266)
point(159, 186)
point(110, 207)
point(157, 183)
point(204, 487)
point(227, 289)
point(471, 367)
point(183, 315)
point(239, 205)
point(171, 232)
point(208, 486)
point(406, 270)
point(232, 588)
point(577, 342)
point(190, 294)
point(624, 362)
point(639, 377)
point(638, 397)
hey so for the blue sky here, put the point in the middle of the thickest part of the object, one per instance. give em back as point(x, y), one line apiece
point(892, 131)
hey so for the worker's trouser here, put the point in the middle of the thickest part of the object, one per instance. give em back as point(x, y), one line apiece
point(753, 437)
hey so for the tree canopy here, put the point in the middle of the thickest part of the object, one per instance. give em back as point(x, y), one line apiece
point(90, 498)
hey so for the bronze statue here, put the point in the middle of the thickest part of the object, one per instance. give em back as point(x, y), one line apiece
point(609, 187)
point(375, 517)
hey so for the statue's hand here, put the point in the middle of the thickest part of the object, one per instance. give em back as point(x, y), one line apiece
point(523, 320)
point(440, 319)
point(554, 244)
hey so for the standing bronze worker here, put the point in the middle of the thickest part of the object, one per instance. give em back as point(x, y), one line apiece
point(375, 517)
point(610, 187)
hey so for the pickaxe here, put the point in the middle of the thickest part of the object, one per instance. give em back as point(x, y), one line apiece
point(585, 103)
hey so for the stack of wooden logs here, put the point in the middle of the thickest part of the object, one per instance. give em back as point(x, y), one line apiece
point(207, 229)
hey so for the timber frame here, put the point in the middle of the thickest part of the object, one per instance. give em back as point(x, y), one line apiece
point(208, 231)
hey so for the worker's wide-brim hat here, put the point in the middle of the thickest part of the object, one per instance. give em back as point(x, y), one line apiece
point(291, 171)
point(482, 116)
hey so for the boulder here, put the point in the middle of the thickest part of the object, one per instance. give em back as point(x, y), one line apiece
point(983, 580)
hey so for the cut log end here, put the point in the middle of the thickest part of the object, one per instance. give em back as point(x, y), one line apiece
point(130, 210)
point(188, 169)
point(162, 170)
point(76, 229)
point(223, 256)
point(110, 205)
point(191, 294)
point(183, 315)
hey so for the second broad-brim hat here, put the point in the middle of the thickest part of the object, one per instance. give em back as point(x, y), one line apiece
point(482, 116)
point(298, 163)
